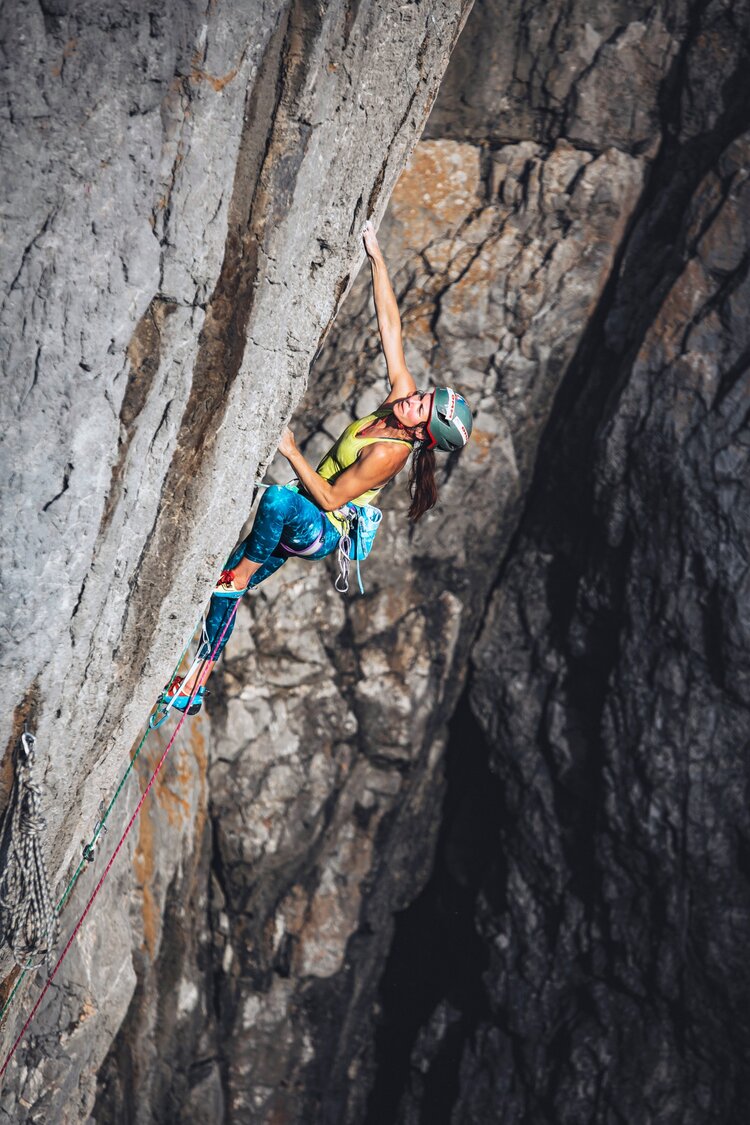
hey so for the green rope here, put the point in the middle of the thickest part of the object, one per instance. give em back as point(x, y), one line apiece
point(88, 851)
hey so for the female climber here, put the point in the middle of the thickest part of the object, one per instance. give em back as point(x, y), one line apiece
point(305, 518)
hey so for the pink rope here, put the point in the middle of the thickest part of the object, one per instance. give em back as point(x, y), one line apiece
point(198, 683)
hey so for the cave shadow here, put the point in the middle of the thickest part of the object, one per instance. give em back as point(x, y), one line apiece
point(436, 955)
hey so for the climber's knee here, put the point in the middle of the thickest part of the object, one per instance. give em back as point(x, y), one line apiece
point(275, 496)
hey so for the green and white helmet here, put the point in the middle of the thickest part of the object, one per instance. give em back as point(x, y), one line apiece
point(450, 421)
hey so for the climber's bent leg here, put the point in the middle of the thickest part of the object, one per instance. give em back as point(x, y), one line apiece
point(285, 517)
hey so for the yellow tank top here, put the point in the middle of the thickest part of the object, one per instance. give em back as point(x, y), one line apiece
point(344, 453)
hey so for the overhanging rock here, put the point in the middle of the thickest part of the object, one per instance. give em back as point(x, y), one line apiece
point(185, 196)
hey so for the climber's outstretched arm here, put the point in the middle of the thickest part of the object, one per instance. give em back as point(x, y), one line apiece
point(389, 320)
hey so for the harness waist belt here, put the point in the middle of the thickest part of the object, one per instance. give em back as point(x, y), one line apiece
point(306, 550)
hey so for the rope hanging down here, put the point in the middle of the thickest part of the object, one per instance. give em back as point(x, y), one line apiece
point(28, 918)
point(120, 842)
point(88, 852)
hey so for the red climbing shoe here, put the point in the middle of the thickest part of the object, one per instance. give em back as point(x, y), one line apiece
point(226, 585)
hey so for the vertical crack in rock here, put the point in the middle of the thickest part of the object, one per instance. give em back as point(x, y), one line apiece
point(653, 254)
point(144, 356)
point(223, 337)
point(65, 482)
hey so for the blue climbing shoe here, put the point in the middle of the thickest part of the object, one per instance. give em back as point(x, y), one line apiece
point(170, 699)
point(181, 703)
point(181, 700)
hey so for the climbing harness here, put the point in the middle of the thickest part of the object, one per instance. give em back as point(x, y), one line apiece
point(361, 522)
point(88, 849)
point(306, 551)
point(29, 922)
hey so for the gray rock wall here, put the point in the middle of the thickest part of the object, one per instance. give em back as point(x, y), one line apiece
point(568, 244)
point(328, 740)
point(184, 197)
point(610, 900)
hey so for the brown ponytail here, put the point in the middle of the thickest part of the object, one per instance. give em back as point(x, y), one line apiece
point(422, 483)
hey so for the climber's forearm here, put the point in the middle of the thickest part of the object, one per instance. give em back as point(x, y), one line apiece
point(386, 306)
point(389, 318)
point(313, 483)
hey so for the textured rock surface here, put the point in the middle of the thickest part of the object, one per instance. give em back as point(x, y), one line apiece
point(172, 398)
point(327, 744)
point(624, 641)
point(609, 896)
point(185, 193)
point(570, 249)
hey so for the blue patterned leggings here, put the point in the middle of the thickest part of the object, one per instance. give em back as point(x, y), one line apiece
point(282, 516)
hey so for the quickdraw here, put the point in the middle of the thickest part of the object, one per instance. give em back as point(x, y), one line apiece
point(364, 521)
point(343, 555)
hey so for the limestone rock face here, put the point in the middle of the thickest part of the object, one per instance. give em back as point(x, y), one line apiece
point(328, 738)
point(186, 186)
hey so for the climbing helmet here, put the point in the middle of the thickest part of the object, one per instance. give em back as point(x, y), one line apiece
point(450, 421)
